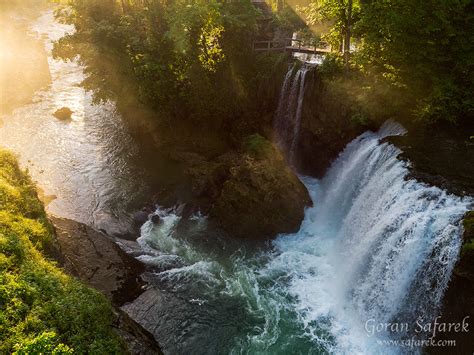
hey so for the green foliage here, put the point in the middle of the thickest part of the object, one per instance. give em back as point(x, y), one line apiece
point(257, 146)
point(188, 60)
point(425, 48)
point(45, 343)
point(289, 20)
point(332, 65)
point(333, 13)
point(42, 310)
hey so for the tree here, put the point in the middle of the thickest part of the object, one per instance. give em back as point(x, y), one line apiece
point(339, 16)
point(424, 47)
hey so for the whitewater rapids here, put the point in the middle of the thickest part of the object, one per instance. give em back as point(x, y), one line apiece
point(375, 247)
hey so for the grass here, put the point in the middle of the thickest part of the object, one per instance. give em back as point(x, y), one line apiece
point(42, 310)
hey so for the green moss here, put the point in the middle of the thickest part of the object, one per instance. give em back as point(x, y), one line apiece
point(468, 224)
point(42, 310)
point(257, 146)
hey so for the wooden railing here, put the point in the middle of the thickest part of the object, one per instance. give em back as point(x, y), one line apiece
point(290, 45)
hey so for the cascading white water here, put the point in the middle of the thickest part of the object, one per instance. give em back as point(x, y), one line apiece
point(287, 121)
point(375, 247)
point(299, 111)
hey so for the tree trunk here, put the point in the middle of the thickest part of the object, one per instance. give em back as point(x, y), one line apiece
point(125, 7)
point(347, 34)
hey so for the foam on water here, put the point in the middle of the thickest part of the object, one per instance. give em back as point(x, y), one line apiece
point(374, 246)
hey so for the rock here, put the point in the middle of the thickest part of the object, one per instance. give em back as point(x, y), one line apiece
point(96, 259)
point(155, 219)
point(140, 217)
point(440, 155)
point(138, 339)
point(458, 301)
point(117, 227)
point(465, 265)
point(250, 193)
point(327, 124)
point(46, 199)
point(262, 196)
point(63, 114)
point(146, 310)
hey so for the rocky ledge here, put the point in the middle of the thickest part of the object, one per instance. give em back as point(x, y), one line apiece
point(261, 196)
point(97, 260)
point(441, 156)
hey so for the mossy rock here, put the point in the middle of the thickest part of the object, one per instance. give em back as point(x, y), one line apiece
point(262, 197)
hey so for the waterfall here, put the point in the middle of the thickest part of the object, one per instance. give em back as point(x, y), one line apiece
point(374, 248)
point(287, 120)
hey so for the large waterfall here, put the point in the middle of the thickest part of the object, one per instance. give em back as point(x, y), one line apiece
point(374, 248)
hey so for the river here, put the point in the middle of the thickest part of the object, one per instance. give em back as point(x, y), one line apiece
point(374, 246)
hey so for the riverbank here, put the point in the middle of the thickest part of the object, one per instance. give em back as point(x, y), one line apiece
point(43, 308)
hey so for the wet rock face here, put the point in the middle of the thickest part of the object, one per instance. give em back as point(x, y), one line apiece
point(138, 339)
point(441, 156)
point(465, 265)
point(94, 258)
point(458, 301)
point(97, 260)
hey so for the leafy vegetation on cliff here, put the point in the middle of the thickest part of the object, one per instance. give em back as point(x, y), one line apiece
point(188, 60)
point(423, 49)
point(42, 310)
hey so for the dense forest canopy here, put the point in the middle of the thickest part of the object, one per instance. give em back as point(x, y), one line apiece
point(423, 48)
point(193, 59)
point(190, 60)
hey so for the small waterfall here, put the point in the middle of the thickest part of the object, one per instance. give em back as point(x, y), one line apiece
point(299, 111)
point(287, 121)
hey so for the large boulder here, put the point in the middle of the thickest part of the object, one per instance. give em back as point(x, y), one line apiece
point(95, 258)
point(262, 196)
point(249, 193)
